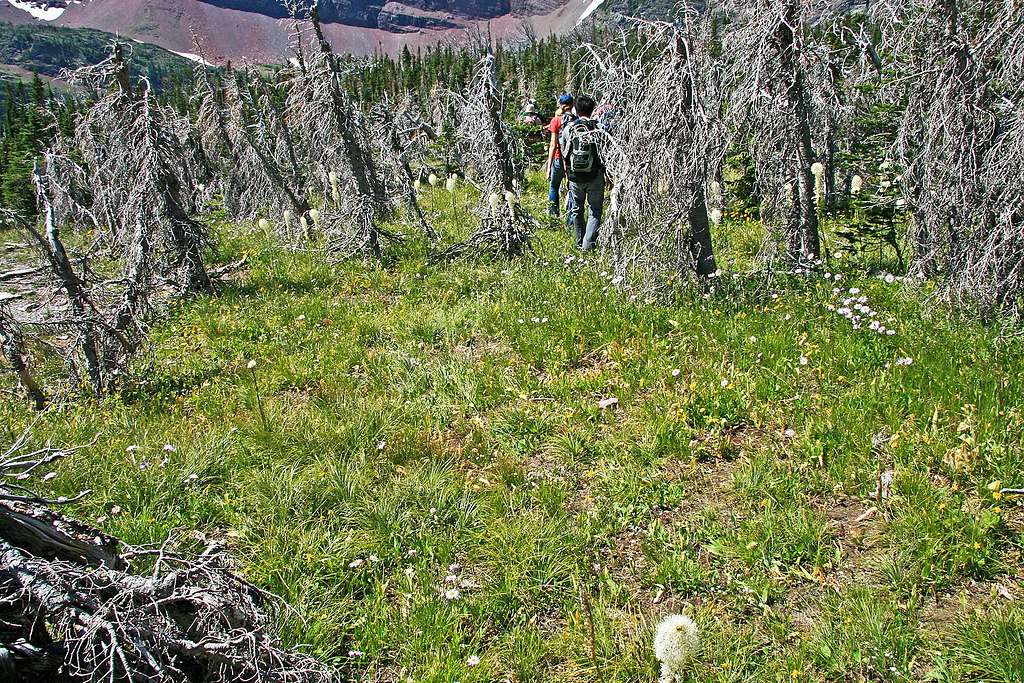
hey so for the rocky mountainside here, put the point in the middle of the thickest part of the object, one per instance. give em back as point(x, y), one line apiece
point(252, 29)
point(402, 16)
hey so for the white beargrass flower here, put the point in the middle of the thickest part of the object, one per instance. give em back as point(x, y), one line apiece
point(675, 642)
point(450, 183)
point(335, 191)
point(288, 217)
point(315, 215)
point(817, 168)
point(432, 179)
point(494, 200)
point(264, 225)
point(304, 224)
point(715, 216)
point(416, 184)
point(510, 197)
point(856, 184)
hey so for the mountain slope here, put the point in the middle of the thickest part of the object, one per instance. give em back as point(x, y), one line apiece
point(49, 50)
point(253, 29)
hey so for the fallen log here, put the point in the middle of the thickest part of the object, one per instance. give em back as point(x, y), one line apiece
point(72, 609)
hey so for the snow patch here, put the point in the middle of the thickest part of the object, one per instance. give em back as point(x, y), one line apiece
point(38, 11)
point(591, 8)
point(193, 57)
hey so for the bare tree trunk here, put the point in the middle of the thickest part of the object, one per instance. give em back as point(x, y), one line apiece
point(13, 346)
point(73, 287)
point(804, 244)
point(699, 237)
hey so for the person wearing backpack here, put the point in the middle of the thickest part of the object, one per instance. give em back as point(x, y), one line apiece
point(554, 167)
point(584, 167)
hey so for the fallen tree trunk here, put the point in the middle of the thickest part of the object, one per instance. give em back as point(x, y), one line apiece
point(71, 609)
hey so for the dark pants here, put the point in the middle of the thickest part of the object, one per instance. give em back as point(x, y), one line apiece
point(591, 193)
point(554, 188)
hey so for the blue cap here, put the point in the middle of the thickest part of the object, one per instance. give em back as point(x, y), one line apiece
point(566, 98)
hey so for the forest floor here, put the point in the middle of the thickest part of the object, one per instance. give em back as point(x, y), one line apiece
point(509, 471)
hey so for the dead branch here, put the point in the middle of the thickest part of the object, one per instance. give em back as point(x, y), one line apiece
point(493, 158)
point(73, 608)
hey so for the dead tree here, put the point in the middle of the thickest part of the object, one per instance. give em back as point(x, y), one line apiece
point(401, 137)
point(335, 139)
point(124, 169)
point(12, 346)
point(776, 69)
point(109, 317)
point(666, 144)
point(491, 152)
point(73, 608)
point(217, 135)
point(960, 66)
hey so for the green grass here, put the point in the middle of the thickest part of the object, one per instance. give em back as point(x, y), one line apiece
point(435, 481)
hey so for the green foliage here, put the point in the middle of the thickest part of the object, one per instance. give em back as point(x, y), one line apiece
point(435, 480)
point(49, 50)
point(864, 635)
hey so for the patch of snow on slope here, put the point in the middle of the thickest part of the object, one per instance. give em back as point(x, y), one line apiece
point(193, 57)
point(591, 8)
point(38, 11)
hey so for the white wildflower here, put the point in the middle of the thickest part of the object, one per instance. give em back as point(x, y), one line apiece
point(715, 216)
point(472, 660)
point(494, 200)
point(432, 179)
point(452, 594)
point(856, 184)
point(675, 642)
point(335, 190)
point(451, 183)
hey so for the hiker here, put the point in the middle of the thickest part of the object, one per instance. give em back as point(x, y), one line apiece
point(553, 166)
point(581, 158)
point(530, 115)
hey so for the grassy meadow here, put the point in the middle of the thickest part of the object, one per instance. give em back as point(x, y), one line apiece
point(426, 463)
